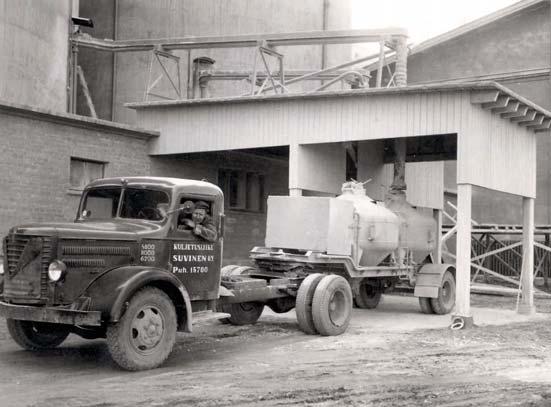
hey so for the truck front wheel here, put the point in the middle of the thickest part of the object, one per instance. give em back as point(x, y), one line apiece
point(144, 336)
point(36, 335)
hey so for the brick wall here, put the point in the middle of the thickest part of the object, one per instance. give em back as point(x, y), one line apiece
point(35, 162)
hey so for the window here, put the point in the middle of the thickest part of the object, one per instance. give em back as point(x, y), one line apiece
point(242, 189)
point(84, 171)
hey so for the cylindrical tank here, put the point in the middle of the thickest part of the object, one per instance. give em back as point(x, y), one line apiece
point(417, 231)
point(378, 232)
point(34, 40)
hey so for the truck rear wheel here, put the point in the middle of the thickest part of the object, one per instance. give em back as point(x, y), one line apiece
point(426, 307)
point(332, 305)
point(303, 306)
point(144, 336)
point(36, 335)
point(243, 313)
point(369, 295)
point(445, 301)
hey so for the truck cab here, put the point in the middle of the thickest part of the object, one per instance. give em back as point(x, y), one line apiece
point(141, 257)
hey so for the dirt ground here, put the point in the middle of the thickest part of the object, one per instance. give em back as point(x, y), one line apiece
point(392, 356)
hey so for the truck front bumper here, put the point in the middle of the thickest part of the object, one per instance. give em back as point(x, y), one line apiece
point(54, 315)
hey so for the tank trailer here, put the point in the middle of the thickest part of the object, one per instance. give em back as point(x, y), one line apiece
point(142, 260)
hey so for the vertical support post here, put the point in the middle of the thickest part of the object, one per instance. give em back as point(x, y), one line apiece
point(437, 254)
point(381, 62)
point(400, 71)
point(526, 305)
point(463, 252)
point(545, 270)
point(294, 189)
point(74, 79)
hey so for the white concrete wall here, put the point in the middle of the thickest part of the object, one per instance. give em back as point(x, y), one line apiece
point(33, 52)
point(317, 167)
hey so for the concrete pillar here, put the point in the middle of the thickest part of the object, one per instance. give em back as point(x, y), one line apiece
point(526, 305)
point(463, 252)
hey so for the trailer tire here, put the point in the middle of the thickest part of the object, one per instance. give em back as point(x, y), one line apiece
point(36, 336)
point(144, 336)
point(303, 307)
point(332, 305)
point(425, 304)
point(369, 296)
point(445, 301)
point(243, 313)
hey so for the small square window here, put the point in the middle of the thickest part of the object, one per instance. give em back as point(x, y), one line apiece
point(242, 190)
point(82, 172)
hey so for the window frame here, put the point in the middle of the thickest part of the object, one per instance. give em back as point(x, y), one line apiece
point(80, 188)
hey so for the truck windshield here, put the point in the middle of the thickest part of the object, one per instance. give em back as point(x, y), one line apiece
point(137, 203)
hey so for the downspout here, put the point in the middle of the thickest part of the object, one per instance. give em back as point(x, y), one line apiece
point(325, 19)
point(114, 66)
point(399, 182)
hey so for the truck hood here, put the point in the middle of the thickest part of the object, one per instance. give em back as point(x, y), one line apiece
point(112, 229)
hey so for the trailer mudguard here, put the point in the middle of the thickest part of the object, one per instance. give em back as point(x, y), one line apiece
point(429, 279)
point(111, 291)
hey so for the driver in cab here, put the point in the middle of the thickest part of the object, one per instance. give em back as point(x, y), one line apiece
point(200, 222)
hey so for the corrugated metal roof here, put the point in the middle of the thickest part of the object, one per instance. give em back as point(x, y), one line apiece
point(491, 89)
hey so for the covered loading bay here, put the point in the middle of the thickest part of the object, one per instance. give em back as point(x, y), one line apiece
point(495, 130)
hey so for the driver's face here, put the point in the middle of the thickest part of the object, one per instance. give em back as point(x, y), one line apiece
point(198, 215)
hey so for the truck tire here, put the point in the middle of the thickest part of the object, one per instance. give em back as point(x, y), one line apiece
point(243, 313)
point(234, 270)
point(36, 336)
point(144, 336)
point(332, 305)
point(303, 306)
point(445, 301)
point(369, 295)
point(426, 307)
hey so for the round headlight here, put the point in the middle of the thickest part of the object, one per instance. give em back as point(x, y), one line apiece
point(56, 269)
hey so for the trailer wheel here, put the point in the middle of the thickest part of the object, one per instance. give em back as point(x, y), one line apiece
point(426, 307)
point(36, 335)
point(303, 307)
point(332, 305)
point(243, 313)
point(445, 301)
point(369, 295)
point(144, 336)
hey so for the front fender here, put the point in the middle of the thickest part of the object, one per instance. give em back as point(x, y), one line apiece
point(110, 292)
point(429, 279)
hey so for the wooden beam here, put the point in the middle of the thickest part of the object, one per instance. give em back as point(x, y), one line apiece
point(538, 120)
point(486, 96)
point(544, 126)
point(521, 111)
point(511, 107)
point(501, 102)
point(526, 305)
point(529, 116)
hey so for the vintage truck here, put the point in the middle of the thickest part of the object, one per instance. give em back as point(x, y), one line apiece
point(142, 260)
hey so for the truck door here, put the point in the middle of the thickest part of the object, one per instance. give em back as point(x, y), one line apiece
point(196, 248)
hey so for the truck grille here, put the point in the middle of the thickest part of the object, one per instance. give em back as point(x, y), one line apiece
point(28, 258)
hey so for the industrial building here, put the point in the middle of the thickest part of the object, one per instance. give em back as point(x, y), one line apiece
point(303, 142)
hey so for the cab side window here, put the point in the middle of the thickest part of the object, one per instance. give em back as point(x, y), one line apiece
point(195, 219)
